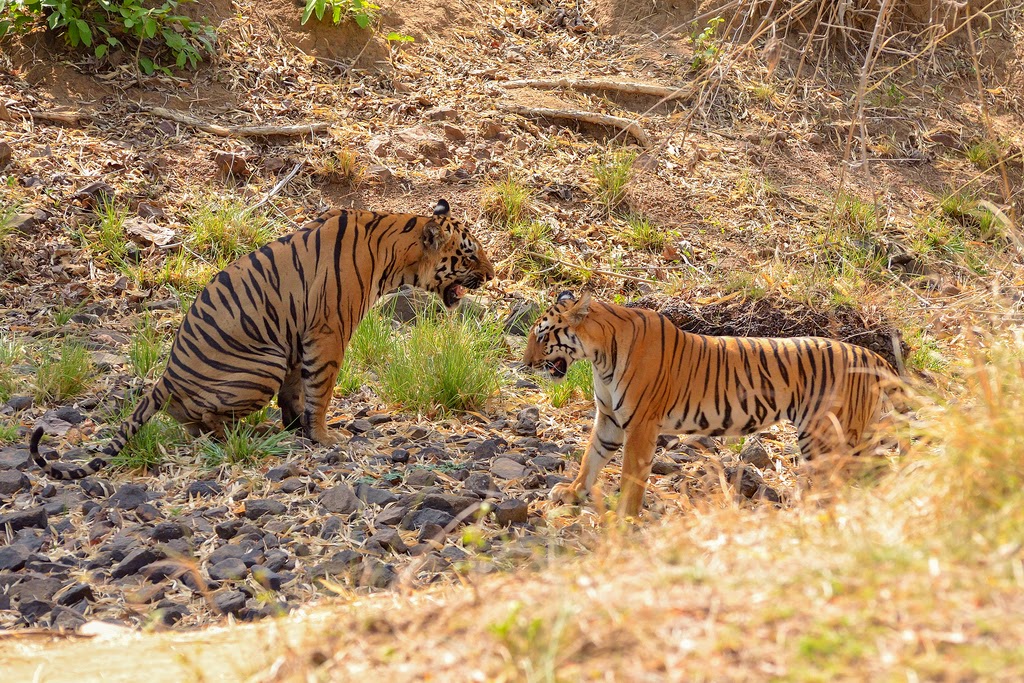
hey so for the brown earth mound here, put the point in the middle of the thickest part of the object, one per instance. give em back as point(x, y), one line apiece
point(776, 316)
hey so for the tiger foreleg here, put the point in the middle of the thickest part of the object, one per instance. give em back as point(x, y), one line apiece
point(605, 441)
point(320, 364)
point(637, 458)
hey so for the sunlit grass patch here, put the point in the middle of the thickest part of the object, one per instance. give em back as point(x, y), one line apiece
point(373, 344)
point(151, 444)
point(224, 229)
point(243, 444)
point(186, 274)
point(63, 372)
point(642, 234)
point(507, 201)
point(339, 166)
point(12, 352)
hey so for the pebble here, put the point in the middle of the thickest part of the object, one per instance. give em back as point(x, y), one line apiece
point(230, 569)
point(13, 557)
point(340, 499)
point(527, 421)
point(135, 561)
point(511, 511)
point(421, 477)
point(230, 602)
point(754, 453)
point(258, 507)
point(506, 468)
point(14, 458)
point(204, 488)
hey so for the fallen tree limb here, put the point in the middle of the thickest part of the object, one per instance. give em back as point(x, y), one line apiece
point(71, 118)
point(625, 125)
point(630, 87)
point(236, 131)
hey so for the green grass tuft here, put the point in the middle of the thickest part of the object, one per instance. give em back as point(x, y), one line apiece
point(445, 364)
point(244, 445)
point(223, 230)
point(578, 383)
point(644, 235)
point(507, 202)
point(11, 353)
point(151, 445)
point(8, 432)
point(612, 175)
point(147, 347)
point(63, 372)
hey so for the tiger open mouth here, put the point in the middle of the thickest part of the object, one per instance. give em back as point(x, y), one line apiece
point(558, 367)
point(452, 293)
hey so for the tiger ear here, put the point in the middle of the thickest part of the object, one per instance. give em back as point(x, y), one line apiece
point(577, 313)
point(433, 235)
point(442, 208)
point(565, 296)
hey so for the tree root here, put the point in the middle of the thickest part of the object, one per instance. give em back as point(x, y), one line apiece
point(625, 125)
point(237, 131)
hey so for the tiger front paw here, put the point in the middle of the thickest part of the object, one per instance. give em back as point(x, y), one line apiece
point(567, 493)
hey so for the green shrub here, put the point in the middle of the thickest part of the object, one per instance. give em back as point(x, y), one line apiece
point(446, 363)
point(106, 25)
point(11, 353)
point(225, 229)
point(359, 11)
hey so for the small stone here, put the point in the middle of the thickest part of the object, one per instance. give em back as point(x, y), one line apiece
point(527, 421)
point(258, 507)
point(283, 472)
point(391, 515)
point(754, 453)
point(292, 485)
point(170, 615)
point(549, 463)
point(267, 578)
point(13, 557)
point(33, 611)
point(135, 561)
point(380, 173)
point(340, 499)
point(442, 114)
point(230, 569)
point(389, 538)
point(228, 530)
point(665, 467)
point(453, 553)
point(408, 305)
point(168, 531)
point(376, 574)
point(151, 592)
point(230, 164)
point(22, 519)
point(450, 503)
point(96, 193)
point(746, 480)
point(506, 468)
point(430, 532)
point(12, 481)
point(18, 403)
point(129, 497)
point(360, 426)
point(331, 527)
point(204, 488)
point(511, 511)
point(421, 477)
point(74, 593)
point(492, 130)
point(374, 496)
point(454, 133)
point(418, 518)
point(275, 560)
point(147, 513)
point(149, 211)
point(229, 602)
point(6, 154)
point(480, 482)
point(521, 318)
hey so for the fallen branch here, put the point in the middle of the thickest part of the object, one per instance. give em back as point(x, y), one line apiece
point(71, 118)
point(629, 87)
point(236, 131)
point(277, 188)
point(625, 125)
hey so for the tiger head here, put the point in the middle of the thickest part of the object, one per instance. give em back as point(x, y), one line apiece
point(454, 259)
point(554, 344)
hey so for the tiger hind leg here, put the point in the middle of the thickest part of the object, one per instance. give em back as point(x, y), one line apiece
point(290, 399)
point(321, 360)
point(637, 458)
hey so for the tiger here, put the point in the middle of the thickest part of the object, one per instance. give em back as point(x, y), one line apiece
point(651, 378)
point(276, 322)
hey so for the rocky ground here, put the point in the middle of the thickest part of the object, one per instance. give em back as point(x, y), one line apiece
point(404, 502)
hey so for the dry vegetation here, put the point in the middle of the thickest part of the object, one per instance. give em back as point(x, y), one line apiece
point(805, 165)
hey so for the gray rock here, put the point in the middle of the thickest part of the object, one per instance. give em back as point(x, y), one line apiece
point(454, 553)
point(227, 551)
point(527, 421)
point(229, 602)
point(331, 527)
point(481, 483)
point(389, 538)
point(375, 574)
point(18, 403)
point(511, 511)
point(13, 557)
point(23, 519)
point(42, 588)
point(14, 458)
point(230, 569)
point(6, 154)
point(65, 619)
point(506, 468)
point(665, 467)
point(449, 502)
point(746, 480)
point(228, 530)
point(754, 453)
point(168, 531)
point(292, 485)
point(391, 515)
point(69, 414)
point(421, 477)
point(12, 481)
point(549, 463)
point(73, 593)
point(204, 488)
point(267, 578)
point(129, 497)
point(258, 507)
point(428, 532)
point(374, 496)
point(135, 561)
point(418, 518)
point(521, 318)
point(33, 611)
point(407, 305)
point(340, 499)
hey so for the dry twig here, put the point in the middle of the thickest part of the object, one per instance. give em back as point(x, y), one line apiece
point(625, 125)
point(237, 131)
point(629, 87)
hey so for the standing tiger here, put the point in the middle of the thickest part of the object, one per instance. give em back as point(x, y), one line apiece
point(277, 321)
point(652, 378)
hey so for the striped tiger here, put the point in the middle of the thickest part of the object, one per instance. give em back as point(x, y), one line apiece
point(277, 321)
point(651, 378)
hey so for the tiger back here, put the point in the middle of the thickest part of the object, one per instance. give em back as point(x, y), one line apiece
point(277, 321)
point(652, 378)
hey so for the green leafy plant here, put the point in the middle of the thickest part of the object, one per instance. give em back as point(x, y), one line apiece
point(372, 345)
point(706, 45)
point(63, 372)
point(107, 25)
point(445, 364)
point(359, 11)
